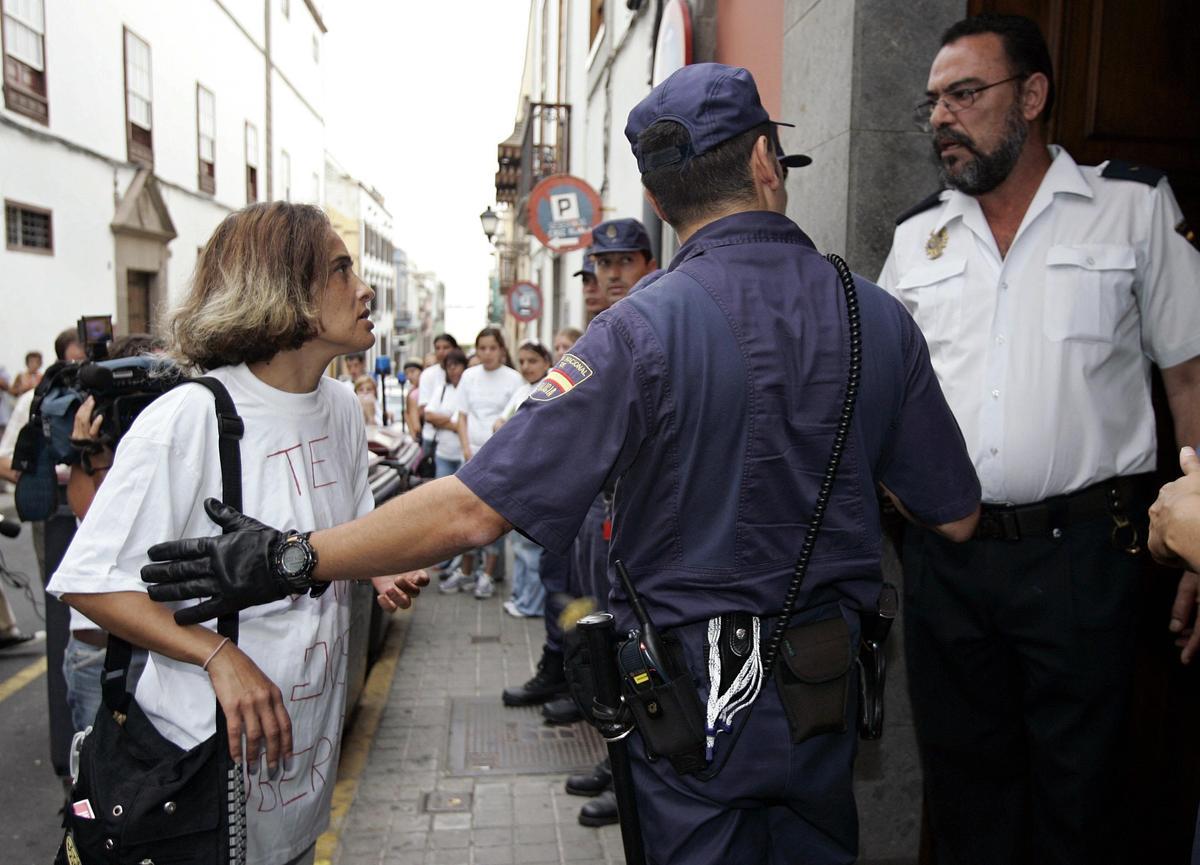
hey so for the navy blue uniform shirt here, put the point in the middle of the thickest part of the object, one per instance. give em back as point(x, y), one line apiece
point(710, 396)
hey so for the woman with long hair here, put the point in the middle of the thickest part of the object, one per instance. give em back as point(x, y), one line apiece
point(273, 301)
point(483, 392)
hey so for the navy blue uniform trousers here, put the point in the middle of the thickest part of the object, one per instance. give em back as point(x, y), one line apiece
point(1019, 665)
point(773, 803)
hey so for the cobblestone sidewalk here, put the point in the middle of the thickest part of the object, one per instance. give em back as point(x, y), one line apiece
point(458, 648)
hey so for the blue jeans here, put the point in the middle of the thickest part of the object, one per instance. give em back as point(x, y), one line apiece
point(83, 665)
point(444, 467)
point(528, 593)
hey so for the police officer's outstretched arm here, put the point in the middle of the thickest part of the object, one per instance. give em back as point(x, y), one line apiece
point(540, 472)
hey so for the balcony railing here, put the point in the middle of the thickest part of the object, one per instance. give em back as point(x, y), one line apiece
point(538, 148)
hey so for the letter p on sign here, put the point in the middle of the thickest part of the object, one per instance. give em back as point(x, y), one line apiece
point(564, 206)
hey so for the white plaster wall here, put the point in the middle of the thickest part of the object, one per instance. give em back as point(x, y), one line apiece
point(43, 294)
point(302, 134)
point(195, 220)
point(630, 84)
point(291, 48)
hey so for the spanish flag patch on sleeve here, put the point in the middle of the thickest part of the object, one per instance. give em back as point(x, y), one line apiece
point(568, 374)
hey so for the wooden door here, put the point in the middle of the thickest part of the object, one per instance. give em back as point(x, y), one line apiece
point(1128, 79)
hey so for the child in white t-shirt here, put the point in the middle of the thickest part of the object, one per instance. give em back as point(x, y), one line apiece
point(528, 594)
point(483, 392)
point(273, 301)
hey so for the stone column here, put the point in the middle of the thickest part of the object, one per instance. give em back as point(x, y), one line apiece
point(852, 72)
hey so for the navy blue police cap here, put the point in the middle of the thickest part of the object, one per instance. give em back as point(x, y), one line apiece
point(588, 269)
point(619, 235)
point(713, 102)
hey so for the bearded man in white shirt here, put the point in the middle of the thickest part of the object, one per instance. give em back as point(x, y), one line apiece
point(1045, 290)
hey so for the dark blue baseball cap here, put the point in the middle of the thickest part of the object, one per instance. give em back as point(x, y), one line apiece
point(588, 269)
point(714, 102)
point(619, 235)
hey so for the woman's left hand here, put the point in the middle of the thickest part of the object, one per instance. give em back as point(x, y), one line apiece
point(397, 592)
point(87, 427)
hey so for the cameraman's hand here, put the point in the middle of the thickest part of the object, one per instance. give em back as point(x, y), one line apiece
point(253, 706)
point(232, 570)
point(87, 427)
point(397, 592)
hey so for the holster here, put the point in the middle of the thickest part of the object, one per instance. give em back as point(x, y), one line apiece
point(813, 678)
point(872, 663)
point(666, 707)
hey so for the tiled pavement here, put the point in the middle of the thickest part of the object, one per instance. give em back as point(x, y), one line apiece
point(457, 647)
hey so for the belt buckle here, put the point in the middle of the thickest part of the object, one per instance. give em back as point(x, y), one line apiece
point(998, 525)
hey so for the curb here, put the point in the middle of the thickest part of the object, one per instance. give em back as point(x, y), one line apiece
point(356, 745)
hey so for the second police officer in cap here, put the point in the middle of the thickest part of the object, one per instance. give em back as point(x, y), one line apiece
point(711, 397)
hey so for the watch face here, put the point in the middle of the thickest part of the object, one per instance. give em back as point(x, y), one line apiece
point(293, 558)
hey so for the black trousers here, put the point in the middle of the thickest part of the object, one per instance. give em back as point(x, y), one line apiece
point(1019, 664)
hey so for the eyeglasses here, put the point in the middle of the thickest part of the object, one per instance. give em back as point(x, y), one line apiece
point(955, 101)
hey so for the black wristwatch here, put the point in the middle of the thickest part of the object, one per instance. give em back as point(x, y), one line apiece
point(293, 560)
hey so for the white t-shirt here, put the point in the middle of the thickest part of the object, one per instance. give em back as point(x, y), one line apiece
point(16, 423)
point(482, 396)
point(444, 401)
point(514, 402)
point(432, 379)
point(304, 467)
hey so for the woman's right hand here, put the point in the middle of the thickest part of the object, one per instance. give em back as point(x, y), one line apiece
point(253, 706)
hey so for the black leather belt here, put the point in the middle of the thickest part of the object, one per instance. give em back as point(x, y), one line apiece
point(1047, 518)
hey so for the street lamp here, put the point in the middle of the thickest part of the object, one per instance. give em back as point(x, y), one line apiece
point(490, 222)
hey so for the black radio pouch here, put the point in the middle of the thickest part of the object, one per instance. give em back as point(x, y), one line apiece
point(814, 680)
point(666, 706)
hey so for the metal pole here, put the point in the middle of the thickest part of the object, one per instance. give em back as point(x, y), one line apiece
point(599, 635)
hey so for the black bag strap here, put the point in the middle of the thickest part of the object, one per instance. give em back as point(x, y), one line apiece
point(229, 435)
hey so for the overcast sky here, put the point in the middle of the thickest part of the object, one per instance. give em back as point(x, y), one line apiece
point(418, 93)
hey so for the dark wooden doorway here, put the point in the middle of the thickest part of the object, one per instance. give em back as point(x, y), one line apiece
point(139, 289)
point(1128, 77)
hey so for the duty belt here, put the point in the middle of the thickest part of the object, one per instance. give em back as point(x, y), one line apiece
point(1045, 519)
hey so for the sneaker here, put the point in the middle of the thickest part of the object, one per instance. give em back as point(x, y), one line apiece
point(510, 607)
point(456, 582)
point(15, 637)
point(484, 587)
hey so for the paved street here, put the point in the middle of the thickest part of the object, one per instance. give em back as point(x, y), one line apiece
point(30, 795)
point(444, 731)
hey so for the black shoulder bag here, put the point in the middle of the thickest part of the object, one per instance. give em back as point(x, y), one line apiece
point(138, 797)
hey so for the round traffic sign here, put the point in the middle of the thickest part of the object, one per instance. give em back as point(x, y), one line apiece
point(562, 211)
point(525, 301)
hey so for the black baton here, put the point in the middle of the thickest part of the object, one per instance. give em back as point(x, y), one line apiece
point(598, 634)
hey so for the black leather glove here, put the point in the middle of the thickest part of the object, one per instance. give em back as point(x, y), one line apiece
point(233, 570)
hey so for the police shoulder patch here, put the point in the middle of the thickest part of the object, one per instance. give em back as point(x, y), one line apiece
point(567, 374)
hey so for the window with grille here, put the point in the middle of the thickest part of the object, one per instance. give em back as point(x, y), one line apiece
point(206, 140)
point(27, 229)
point(138, 101)
point(251, 163)
point(25, 58)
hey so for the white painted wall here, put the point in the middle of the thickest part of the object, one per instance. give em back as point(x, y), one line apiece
point(190, 42)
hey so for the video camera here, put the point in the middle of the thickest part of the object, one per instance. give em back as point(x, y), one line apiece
point(121, 389)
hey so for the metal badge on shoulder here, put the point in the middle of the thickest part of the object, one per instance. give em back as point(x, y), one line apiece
point(568, 374)
point(936, 245)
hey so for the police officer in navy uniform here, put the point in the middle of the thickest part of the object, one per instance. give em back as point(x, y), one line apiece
point(710, 397)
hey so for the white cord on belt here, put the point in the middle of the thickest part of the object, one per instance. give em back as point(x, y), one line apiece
point(741, 691)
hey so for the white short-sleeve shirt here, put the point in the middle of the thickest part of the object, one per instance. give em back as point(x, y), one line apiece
point(1044, 355)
